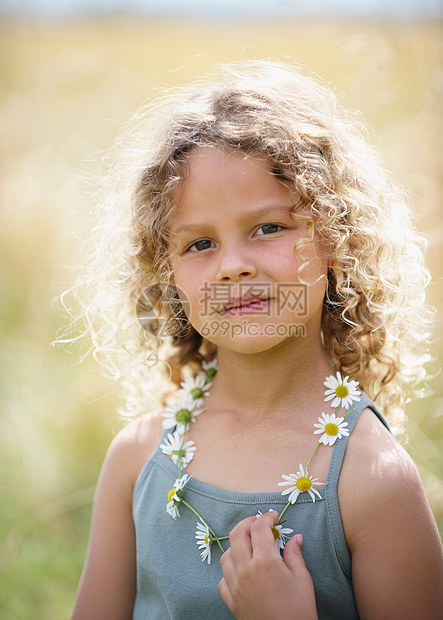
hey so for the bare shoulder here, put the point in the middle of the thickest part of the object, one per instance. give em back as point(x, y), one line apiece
point(134, 444)
point(377, 472)
point(397, 560)
point(371, 447)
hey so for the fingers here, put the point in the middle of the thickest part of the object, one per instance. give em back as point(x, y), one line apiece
point(228, 567)
point(293, 556)
point(240, 541)
point(240, 552)
point(255, 575)
point(243, 548)
point(262, 537)
point(252, 537)
point(294, 561)
point(225, 593)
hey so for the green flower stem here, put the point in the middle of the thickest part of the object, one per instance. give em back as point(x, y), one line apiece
point(312, 456)
point(353, 409)
point(207, 524)
point(180, 458)
point(283, 512)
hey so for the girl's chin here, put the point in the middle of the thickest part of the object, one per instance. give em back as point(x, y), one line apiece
point(252, 345)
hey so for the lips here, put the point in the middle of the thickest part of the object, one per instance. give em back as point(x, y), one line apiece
point(245, 305)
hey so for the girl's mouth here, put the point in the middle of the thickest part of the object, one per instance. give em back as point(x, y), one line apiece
point(246, 306)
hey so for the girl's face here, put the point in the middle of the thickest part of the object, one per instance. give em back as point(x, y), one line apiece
point(233, 255)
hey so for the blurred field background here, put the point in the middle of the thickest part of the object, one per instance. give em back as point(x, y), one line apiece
point(66, 88)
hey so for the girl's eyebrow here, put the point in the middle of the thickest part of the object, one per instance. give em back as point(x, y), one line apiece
point(263, 212)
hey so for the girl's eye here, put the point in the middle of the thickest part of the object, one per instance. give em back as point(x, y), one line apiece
point(198, 246)
point(268, 229)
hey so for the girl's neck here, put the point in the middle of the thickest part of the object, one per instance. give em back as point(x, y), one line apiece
point(272, 382)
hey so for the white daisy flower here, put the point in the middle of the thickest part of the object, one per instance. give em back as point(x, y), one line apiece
point(342, 391)
point(332, 428)
point(181, 414)
point(279, 532)
point(171, 507)
point(300, 483)
point(210, 369)
point(180, 454)
point(175, 496)
point(204, 541)
point(195, 387)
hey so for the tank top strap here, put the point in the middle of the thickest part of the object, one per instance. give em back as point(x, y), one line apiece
point(335, 466)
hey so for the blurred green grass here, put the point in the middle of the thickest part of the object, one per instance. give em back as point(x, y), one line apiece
point(65, 91)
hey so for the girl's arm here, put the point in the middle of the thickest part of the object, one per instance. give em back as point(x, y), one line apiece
point(108, 584)
point(257, 584)
point(397, 560)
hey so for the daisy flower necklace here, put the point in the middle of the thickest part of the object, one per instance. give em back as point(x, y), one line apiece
point(341, 392)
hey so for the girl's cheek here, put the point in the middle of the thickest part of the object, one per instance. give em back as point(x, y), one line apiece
point(189, 288)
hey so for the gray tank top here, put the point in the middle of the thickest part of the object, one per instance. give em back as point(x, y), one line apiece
point(172, 580)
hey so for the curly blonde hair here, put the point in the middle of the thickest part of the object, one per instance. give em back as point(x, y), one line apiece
point(375, 325)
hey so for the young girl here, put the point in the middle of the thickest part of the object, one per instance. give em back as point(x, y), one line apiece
point(279, 286)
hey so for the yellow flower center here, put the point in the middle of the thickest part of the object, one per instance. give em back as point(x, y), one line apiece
point(341, 391)
point(206, 540)
point(275, 533)
point(331, 429)
point(303, 484)
point(171, 494)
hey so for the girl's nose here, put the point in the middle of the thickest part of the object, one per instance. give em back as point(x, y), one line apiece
point(235, 265)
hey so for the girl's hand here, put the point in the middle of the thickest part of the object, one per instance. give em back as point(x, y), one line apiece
point(257, 583)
